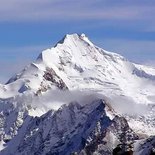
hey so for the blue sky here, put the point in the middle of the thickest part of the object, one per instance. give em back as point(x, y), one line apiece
point(29, 26)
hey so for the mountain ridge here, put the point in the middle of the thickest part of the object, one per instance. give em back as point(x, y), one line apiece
point(70, 74)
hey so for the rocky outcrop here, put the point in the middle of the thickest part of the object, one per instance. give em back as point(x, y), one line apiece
point(74, 128)
point(51, 76)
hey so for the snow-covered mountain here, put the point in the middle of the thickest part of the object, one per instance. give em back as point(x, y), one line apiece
point(77, 98)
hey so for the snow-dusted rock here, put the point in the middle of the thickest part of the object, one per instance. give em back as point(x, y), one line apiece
point(70, 129)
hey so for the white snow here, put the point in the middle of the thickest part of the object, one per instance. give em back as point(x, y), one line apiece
point(82, 65)
point(85, 67)
point(2, 145)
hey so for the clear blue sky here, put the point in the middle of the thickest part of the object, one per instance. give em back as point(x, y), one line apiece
point(29, 26)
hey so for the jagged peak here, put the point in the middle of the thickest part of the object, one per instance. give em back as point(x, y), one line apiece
point(77, 45)
point(74, 37)
point(66, 37)
point(81, 41)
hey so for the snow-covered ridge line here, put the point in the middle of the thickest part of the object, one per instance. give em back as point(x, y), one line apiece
point(84, 38)
point(68, 125)
point(75, 36)
point(34, 104)
point(75, 59)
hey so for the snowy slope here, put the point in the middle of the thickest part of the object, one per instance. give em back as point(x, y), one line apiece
point(75, 64)
point(81, 65)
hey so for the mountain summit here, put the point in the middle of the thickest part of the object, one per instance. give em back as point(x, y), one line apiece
point(76, 63)
point(77, 92)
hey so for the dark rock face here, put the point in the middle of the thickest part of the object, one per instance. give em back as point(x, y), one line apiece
point(69, 126)
point(100, 144)
point(74, 129)
point(51, 76)
point(125, 135)
point(118, 151)
point(54, 79)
